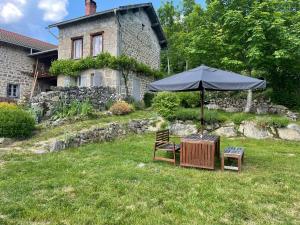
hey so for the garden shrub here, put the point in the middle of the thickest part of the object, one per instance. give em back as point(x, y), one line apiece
point(166, 104)
point(6, 105)
point(210, 116)
point(273, 121)
point(75, 108)
point(15, 122)
point(238, 118)
point(139, 105)
point(148, 99)
point(189, 99)
point(121, 108)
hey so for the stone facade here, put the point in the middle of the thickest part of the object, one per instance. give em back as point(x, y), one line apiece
point(15, 68)
point(138, 40)
point(128, 33)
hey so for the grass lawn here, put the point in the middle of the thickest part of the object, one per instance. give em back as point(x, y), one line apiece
point(106, 184)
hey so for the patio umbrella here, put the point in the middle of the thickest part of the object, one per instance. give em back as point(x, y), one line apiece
point(206, 78)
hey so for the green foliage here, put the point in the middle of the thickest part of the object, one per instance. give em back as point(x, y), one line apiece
point(189, 99)
point(71, 67)
point(210, 116)
point(148, 99)
point(166, 104)
point(238, 118)
point(75, 108)
point(15, 123)
point(121, 108)
point(272, 121)
point(256, 38)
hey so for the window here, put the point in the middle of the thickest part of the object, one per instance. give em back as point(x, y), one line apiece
point(96, 45)
point(77, 48)
point(13, 90)
point(81, 81)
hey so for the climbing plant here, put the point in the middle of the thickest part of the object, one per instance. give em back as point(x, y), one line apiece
point(123, 63)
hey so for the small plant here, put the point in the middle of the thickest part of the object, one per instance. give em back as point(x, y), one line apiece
point(75, 108)
point(121, 108)
point(15, 122)
point(166, 104)
point(109, 104)
point(139, 105)
point(148, 99)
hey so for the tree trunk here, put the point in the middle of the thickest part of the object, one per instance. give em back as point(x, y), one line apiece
point(125, 77)
point(249, 102)
point(169, 67)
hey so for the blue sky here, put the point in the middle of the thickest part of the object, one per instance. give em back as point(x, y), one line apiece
point(30, 17)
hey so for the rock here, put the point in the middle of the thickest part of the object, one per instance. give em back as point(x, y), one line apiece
point(293, 116)
point(141, 165)
point(5, 141)
point(40, 151)
point(251, 130)
point(294, 126)
point(226, 132)
point(181, 129)
point(57, 145)
point(212, 106)
point(291, 133)
point(262, 110)
point(232, 109)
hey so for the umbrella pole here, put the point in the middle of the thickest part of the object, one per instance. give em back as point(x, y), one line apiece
point(202, 111)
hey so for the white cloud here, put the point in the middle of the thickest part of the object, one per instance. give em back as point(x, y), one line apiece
point(10, 12)
point(54, 10)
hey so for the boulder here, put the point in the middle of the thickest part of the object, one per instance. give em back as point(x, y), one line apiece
point(232, 109)
point(291, 133)
point(251, 130)
point(5, 142)
point(57, 145)
point(229, 131)
point(181, 129)
point(212, 106)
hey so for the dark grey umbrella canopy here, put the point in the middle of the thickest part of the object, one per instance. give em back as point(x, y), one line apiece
point(207, 78)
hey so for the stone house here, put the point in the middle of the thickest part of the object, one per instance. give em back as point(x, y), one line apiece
point(133, 30)
point(18, 59)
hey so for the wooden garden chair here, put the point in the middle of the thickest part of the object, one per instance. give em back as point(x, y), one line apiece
point(162, 143)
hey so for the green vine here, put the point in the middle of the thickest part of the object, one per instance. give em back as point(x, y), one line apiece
point(73, 68)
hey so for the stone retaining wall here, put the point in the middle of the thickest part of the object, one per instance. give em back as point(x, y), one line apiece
point(95, 134)
point(46, 102)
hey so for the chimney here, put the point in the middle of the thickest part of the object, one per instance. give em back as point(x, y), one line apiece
point(90, 7)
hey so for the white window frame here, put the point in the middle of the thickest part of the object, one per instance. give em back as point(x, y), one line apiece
point(13, 90)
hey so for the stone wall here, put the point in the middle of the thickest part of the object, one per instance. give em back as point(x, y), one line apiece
point(94, 134)
point(138, 39)
point(15, 68)
point(46, 102)
point(237, 104)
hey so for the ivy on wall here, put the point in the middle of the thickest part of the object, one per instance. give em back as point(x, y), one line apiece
point(70, 67)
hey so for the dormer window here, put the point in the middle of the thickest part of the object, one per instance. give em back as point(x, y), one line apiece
point(96, 44)
point(77, 48)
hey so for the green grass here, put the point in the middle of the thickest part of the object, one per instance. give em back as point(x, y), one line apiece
point(43, 133)
point(103, 184)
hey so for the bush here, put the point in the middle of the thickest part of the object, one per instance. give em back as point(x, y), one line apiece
point(139, 105)
point(15, 122)
point(274, 121)
point(148, 99)
point(210, 116)
point(6, 105)
point(238, 118)
point(189, 99)
point(166, 104)
point(75, 108)
point(121, 108)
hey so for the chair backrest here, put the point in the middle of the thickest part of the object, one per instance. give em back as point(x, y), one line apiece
point(163, 136)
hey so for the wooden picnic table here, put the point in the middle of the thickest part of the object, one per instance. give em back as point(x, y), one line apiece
point(200, 151)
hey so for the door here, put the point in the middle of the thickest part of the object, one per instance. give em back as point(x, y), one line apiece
point(136, 89)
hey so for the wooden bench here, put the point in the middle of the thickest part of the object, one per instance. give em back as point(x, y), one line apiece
point(236, 153)
point(162, 143)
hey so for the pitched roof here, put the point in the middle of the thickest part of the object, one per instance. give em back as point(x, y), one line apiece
point(156, 26)
point(27, 42)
